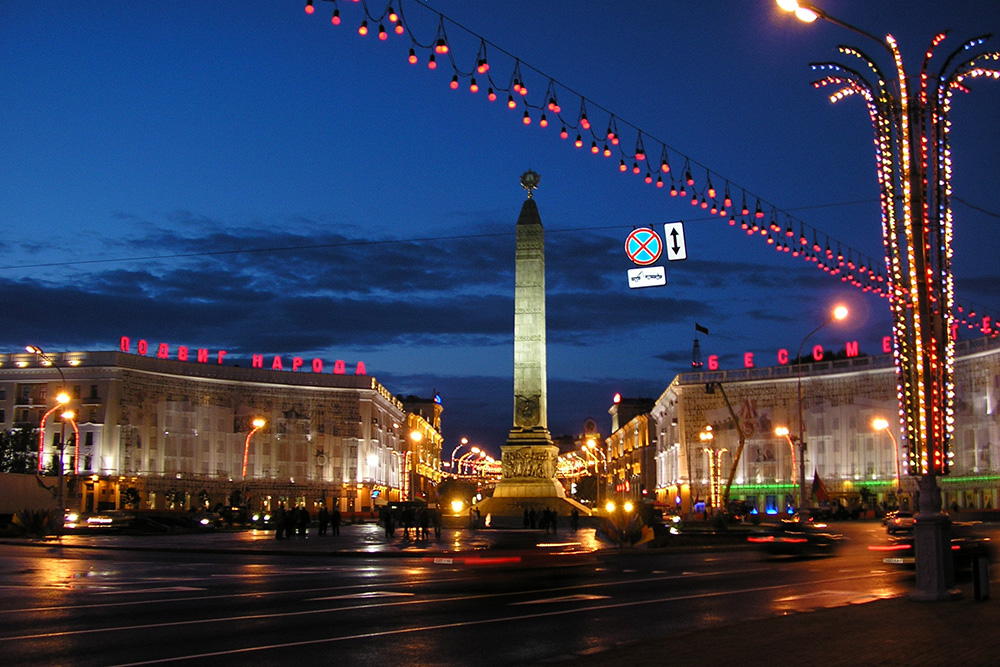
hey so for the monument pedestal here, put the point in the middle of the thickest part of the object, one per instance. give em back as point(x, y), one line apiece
point(528, 481)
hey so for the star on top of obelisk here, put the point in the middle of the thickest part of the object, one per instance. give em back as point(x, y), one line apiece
point(529, 181)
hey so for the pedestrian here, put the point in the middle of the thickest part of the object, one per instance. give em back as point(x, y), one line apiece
point(436, 521)
point(478, 518)
point(324, 518)
point(291, 520)
point(574, 519)
point(407, 521)
point(279, 522)
point(425, 521)
point(303, 521)
point(532, 518)
point(387, 526)
point(335, 520)
point(526, 518)
point(553, 521)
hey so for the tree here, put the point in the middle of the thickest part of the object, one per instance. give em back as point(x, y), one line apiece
point(131, 498)
point(19, 451)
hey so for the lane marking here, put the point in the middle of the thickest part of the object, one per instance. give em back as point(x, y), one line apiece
point(365, 595)
point(467, 624)
point(582, 597)
point(163, 589)
point(333, 610)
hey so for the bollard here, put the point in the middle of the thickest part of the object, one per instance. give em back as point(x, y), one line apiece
point(981, 577)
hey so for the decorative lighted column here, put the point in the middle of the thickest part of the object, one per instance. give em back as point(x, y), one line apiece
point(910, 116)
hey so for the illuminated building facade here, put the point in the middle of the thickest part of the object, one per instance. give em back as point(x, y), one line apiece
point(840, 399)
point(631, 450)
point(177, 432)
point(422, 460)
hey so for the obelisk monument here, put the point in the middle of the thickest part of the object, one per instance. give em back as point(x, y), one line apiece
point(529, 458)
point(530, 385)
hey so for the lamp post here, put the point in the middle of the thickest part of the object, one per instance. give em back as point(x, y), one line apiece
point(62, 398)
point(66, 416)
point(416, 437)
point(911, 119)
point(461, 460)
point(258, 424)
point(600, 458)
point(839, 313)
point(880, 424)
point(461, 444)
point(782, 432)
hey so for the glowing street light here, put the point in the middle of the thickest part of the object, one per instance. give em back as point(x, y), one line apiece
point(462, 443)
point(880, 424)
point(839, 313)
point(782, 432)
point(258, 424)
point(461, 460)
point(62, 398)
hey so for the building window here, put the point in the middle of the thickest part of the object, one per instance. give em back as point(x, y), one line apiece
point(93, 391)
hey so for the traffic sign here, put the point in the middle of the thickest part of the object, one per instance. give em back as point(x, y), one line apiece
point(650, 276)
point(673, 232)
point(643, 246)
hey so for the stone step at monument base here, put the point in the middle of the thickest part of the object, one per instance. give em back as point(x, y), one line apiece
point(507, 511)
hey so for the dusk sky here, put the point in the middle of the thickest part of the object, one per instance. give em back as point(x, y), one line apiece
point(249, 177)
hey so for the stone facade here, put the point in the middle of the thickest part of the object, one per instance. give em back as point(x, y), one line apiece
point(176, 431)
point(839, 401)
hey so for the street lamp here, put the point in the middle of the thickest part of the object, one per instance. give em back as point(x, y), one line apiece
point(461, 460)
point(839, 313)
point(782, 432)
point(592, 449)
point(62, 398)
point(66, 416)
point(461, 444)
point(880, 424)
point(911, 119)
point(258, 424)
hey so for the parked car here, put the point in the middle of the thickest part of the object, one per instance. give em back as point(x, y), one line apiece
point(901, 522)
point(796, 538)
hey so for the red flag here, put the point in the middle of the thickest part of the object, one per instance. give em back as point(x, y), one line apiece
point(819, 488)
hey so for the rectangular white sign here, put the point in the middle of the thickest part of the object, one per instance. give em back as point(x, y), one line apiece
point(673, 241)
point(647, 276)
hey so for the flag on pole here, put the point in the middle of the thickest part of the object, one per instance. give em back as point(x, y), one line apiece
point(700, 329)
point(819, 488)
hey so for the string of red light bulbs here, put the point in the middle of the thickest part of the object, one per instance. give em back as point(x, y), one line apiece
point(776, 228)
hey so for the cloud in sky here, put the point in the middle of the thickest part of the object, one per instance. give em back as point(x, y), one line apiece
point(265, 182)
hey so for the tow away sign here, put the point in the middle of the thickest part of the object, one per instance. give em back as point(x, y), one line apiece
point(647, 276)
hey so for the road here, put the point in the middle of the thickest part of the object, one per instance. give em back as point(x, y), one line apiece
point(92, 607)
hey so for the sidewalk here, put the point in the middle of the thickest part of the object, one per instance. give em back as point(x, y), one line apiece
point(895, 631)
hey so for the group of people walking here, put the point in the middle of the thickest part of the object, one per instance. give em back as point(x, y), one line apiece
point(295, 521)
point(420, 520)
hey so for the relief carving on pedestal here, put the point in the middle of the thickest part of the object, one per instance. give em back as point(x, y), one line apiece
point(527, 462)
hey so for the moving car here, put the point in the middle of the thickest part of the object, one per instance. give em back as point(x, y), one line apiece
point(901, 522)
point(966, 545)
point(796, 538)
